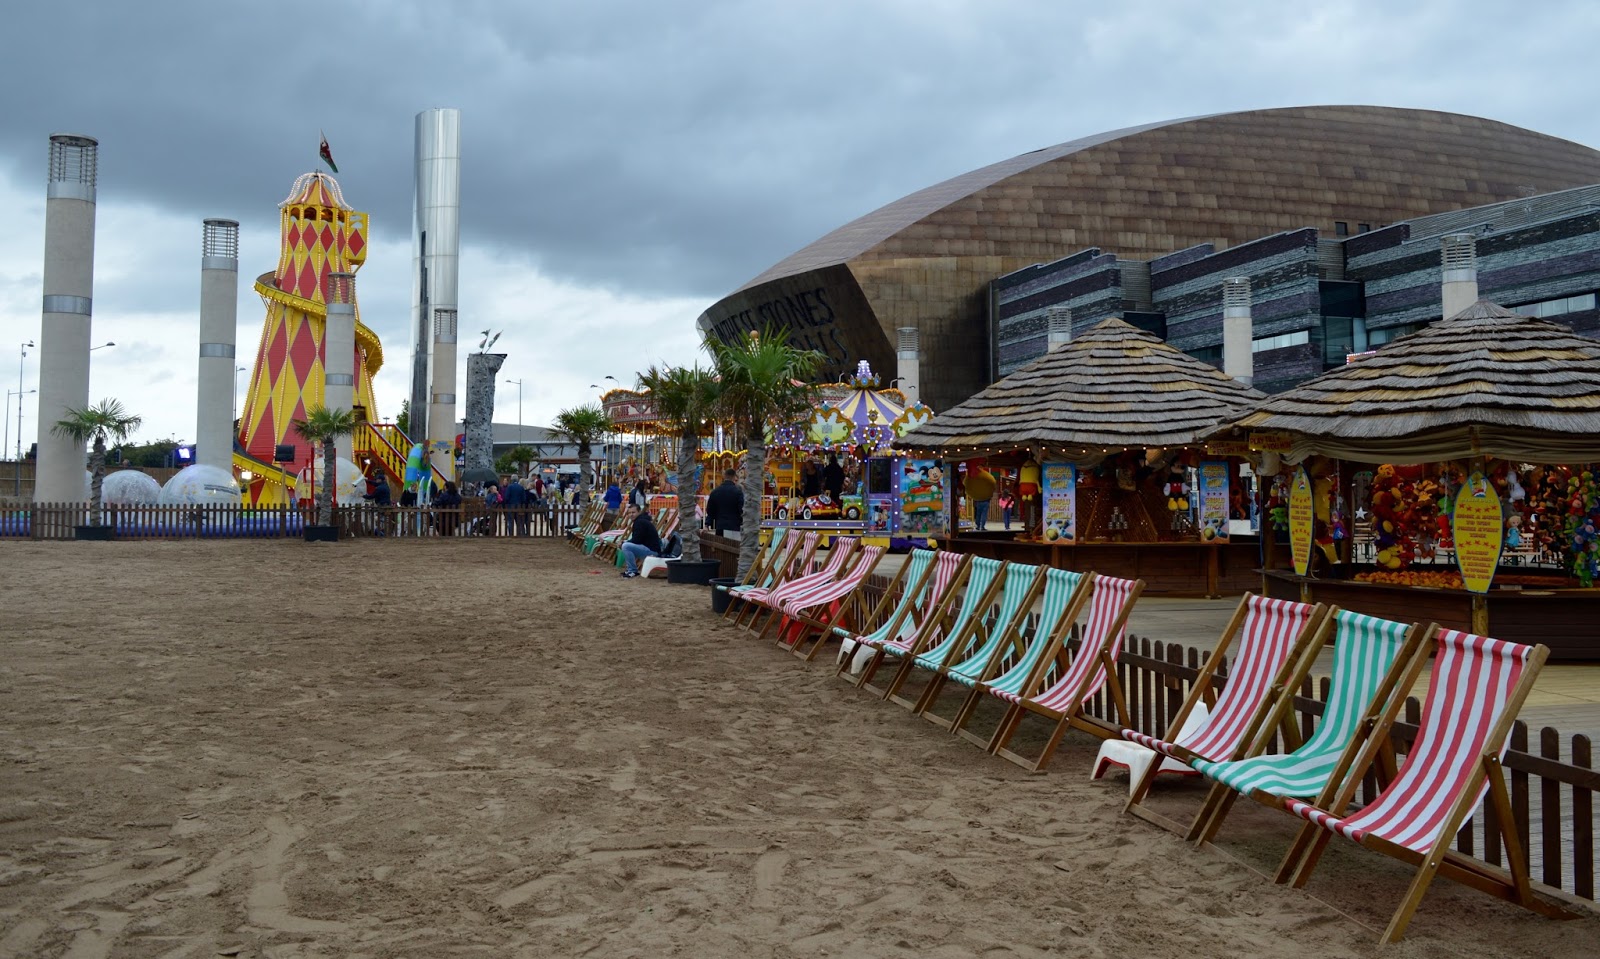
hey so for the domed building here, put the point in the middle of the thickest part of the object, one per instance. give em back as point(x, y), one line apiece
point(927, 262)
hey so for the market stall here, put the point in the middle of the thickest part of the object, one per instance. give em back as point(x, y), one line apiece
point(1449, 476)
point(1106, 439)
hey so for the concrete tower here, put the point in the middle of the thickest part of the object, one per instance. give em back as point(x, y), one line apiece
point(339, 352)
point(1238, 330)
point(436, 232)
point(219, 317)
point(481, 371)
point(68, 301)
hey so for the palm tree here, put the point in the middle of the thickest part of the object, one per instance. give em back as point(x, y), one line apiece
point(106, 420)
point(764, 380)
point(523, 457)
point(323, 425)
point(583, 425)
point(684, 397)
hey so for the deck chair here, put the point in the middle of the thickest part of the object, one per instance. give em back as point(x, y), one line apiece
point(987, 639)
point(1278, 641)
point(794, 562)
point(1370, 657)
point(621, 525)
point(840, 552)
point(1060, 603)
point(608, 544)
point(952, 627)
point(1094, 666)
point(895, 612)
point(815, 612)
point(896, 638)
point(1477, 688)
point(593, 515)
point(764, 558)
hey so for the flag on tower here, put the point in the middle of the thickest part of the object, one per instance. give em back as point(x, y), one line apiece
point(327, 154)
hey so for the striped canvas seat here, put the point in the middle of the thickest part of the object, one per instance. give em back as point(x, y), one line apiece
point(838, 553)
point(1365, 651)
point(1477, 688)
point(913, 577)
point(1015, 597)
point(794, 564)
point(764, 559)
point(946, 567)
point(1088, 670)
point(984, 578)
point(813, 612)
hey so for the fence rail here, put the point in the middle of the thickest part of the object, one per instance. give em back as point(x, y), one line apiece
point(61, 521)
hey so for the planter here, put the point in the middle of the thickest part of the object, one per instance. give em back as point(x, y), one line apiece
point(692, 573)
point(96, 533)
point(721, 600)
point(322, 534)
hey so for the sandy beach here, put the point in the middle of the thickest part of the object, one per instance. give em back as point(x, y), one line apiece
point(501, 748)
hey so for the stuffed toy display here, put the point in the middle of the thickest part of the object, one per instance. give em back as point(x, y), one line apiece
point(1176, 488)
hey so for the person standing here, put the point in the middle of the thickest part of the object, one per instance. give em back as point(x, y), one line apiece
point(833, 479)
point(516, 500)
point(725, 505)
point(810, 480)
point(613, 498)
point(640, 497)
point(980, 490)
point(447, 506)
point(645, 542)
point(1008, 502)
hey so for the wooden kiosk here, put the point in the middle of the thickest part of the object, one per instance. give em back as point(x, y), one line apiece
point(1108, 432)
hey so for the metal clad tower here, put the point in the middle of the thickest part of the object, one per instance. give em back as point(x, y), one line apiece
point(436, 235)
point(68, 300)
point(219, 317)
point(339, 353)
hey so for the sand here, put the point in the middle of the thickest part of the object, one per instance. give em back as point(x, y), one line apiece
point(488, 748)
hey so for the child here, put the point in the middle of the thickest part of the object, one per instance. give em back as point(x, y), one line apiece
point(1007, 503)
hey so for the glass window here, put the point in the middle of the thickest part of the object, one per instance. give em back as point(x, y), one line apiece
point(1341, 228)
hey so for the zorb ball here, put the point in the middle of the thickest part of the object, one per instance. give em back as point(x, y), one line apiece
point(349, 482)
point(129, 488)
point(200, 485)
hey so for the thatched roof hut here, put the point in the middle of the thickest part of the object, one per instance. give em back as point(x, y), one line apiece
point(1113, 388)
point(1485, 382)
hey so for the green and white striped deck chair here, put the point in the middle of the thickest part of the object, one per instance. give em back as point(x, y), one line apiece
point(1060, 604)
point(982, 583)
point(923, 620)
point(1370, 656)
point(968, 660)
point(895, 614)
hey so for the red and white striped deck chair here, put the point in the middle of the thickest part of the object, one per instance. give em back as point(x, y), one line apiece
point(799, 562)
point(899, 639)
point(839, 553)
point(1094, 666)
point(1278, 640)
point(778, 552)
point(1477, 688)
point(817, 610)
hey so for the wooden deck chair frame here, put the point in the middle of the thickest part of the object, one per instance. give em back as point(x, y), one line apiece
point(800, 564)
point(607, 548)
point(895, 606)
point(1219, 801)
point(841, 554)
point(1054, 635)
point(588, 522)
point(932, 621)
point(979, 636)
point(834, 604)
point(1253, 740)
point(951, 635)
point(1513, 885)
point(1074, 715)
point(763, 559)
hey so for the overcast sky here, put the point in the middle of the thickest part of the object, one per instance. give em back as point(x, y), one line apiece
point(628, 162)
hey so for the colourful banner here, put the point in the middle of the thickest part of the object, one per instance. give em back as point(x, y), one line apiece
point(922, 498)
point(1300, 521)
point(1213, 501)
point(1060, 502)
point(1479, 531)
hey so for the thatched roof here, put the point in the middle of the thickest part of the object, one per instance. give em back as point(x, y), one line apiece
point(1112, 388)
point(1487, 381)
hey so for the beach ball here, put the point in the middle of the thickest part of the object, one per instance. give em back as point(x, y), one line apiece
point(129, 488)
point(200, 485)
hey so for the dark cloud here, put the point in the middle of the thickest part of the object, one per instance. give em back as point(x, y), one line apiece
point(680, 149)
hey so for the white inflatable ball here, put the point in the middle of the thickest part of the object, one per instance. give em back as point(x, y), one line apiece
point(200, 485)
point(129, 488)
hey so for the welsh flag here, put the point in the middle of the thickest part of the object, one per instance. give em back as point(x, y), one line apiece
point(327, 154)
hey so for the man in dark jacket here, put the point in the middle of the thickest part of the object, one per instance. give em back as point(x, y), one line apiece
point(515, 497)
point(644, 542)
point(725, 505)
point(833, 479)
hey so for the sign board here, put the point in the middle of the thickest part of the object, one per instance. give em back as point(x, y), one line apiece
point(1272, 442)
point(922, 498)
point(1229, 448)
point(1213, 501)
point(1479, 530)
point(1060, 502)
point(1300, 515)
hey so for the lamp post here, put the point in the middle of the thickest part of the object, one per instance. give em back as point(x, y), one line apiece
point(102, 346)
point(20, 394)
point(519, 409)
point(5, 445)
point(236, 371)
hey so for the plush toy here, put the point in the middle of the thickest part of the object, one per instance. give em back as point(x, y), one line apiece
point(1176, 488)
point(1586, 553)
point(1513, 538)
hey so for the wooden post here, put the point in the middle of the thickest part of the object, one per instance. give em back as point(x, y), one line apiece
point(1213, 573)
point(1480, 614)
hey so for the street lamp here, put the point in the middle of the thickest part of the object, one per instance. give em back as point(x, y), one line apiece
point(25, 348)
point(519, 409)
point(102, 346)
point(19, 394)
point(236, 371)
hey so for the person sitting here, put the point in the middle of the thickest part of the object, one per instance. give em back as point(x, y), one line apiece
point(725, 505)
point(644, 543)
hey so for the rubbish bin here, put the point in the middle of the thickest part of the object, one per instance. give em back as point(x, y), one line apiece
point(720, 598)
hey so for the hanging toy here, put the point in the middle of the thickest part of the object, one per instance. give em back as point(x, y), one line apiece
point(1176, 488)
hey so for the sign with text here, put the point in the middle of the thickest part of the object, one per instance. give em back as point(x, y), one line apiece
point(1213, 501)
point(1272, 441)
point(922, 498)
point(1479, 531)
point(1060, 502)
point(1300, 521)
point(1229, 448)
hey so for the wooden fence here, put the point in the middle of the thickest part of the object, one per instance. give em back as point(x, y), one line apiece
point(60, 521)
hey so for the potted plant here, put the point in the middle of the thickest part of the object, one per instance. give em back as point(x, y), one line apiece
point(685, 398)
point(94, 424)
point(764, 379)
point(324, 426)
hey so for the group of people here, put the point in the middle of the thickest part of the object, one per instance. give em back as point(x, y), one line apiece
point(816, 479)
point(724, 511)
